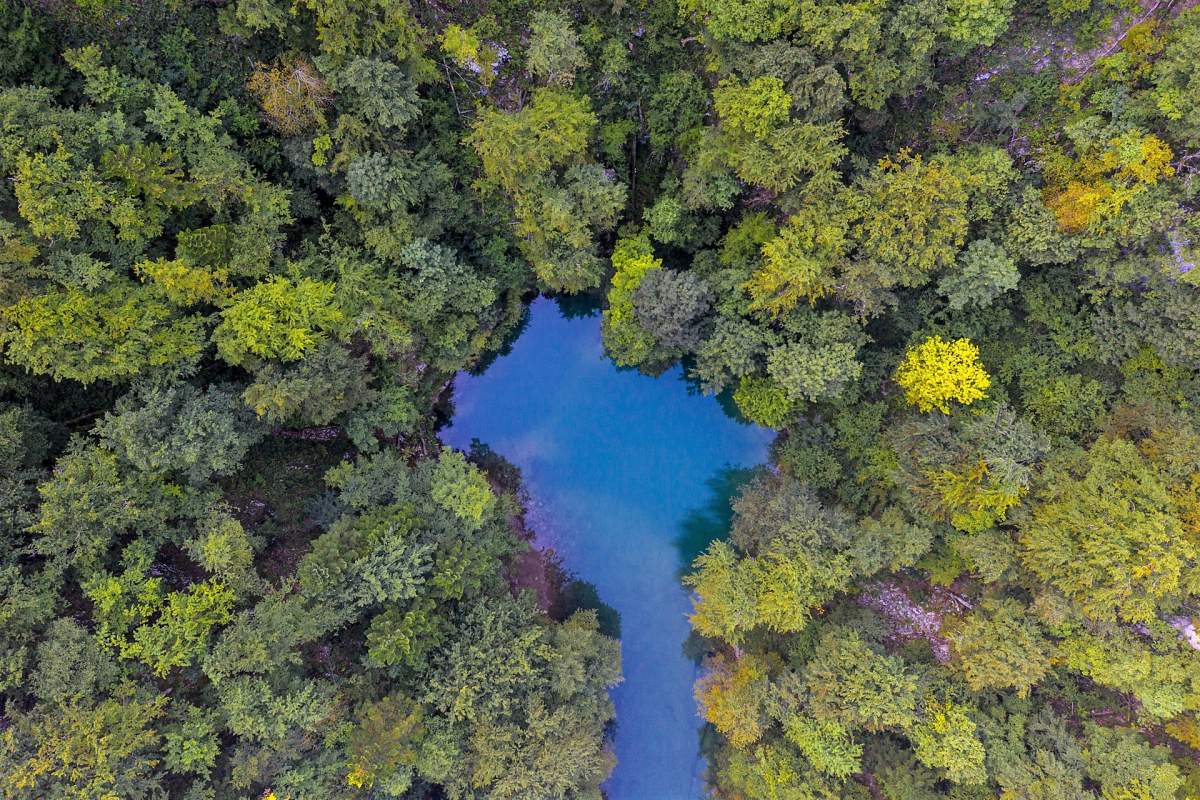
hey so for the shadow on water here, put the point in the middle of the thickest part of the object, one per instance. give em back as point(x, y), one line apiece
point(710, 521)
point(504, 349)
point(581, 595)
point(579, 306)
point(724, 398)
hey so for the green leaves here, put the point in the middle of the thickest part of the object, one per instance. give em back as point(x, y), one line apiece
point(554, 52)
point(1108, 534)
point(538, 157)
point(1001, 646)
point(179, 636)
point(460, 488)
point(278, 319)
point(626, 340)
point(112, 334)
point(551, 131)
point(752, 110)
point(983, 273)
point(945, 738)
point(911, 218)
point(793, 560)
point(55, 198)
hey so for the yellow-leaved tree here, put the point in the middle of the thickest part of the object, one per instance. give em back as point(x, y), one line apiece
point(936, 371)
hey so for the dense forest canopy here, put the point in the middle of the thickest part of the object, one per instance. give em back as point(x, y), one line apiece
point(946, 248)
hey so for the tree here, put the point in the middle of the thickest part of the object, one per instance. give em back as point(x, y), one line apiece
point(984, 272)
point(814, 371)
point(112, 334)
point(54, 197)
point(850, 684)
point(1107, 533)
point(1000, 646)
point(292, 95)
point(538, 157)
point(760, 143)
point(84, 749)
point(798, 263)
point(671, 306)
point(935, 372)
point(763, 401)
point(552, 131)
point(818, 360)
point(386, 744)
point(175, 428)
point(911, 219)
point(328, 382)
point(554, 52)
point(405, 636)
point(733, 697)
point(758, 19)
point(179, 637)
point(1108, 176)
point(71, 665)
point(796, 555)
point(461, 488)
point(732, 350)
point(1176, 79)
point(277, 319)
point(557, 220)
point(676, 106)
point(978, 23)
point(626, 340)
point(91, 500)
point(827, 745)
point(945, 739)
point(1032, 233)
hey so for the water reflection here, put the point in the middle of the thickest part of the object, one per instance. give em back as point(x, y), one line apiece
point(710, 521)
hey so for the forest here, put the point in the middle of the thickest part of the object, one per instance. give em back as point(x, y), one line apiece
point(945, 248)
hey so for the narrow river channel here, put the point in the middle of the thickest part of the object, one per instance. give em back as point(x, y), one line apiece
point(628, 477)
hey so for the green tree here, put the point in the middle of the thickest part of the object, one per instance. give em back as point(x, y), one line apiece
point(277, 319)
point(1000, 646)
point(83, 749)
point(945, 738)
point(851, 684)
point(461, 489)
point(984, 272)
point(627, 341)
point(554, 52)
point(672, 305)
point(1107, 532)
point(177, 429)
point(113, 334)
point(911, 220)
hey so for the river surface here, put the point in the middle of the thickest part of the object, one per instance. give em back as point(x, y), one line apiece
point(629, 477)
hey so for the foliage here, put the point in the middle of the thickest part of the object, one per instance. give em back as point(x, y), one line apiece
point(936, 372)
point(554, 52)
point(1001, 646)
point(984, 272)
point(246, 246)
point(277, 319)
point(110, 335)
point(292, 95)
point(763, 401)
point(629, 343)
point(1107, 533)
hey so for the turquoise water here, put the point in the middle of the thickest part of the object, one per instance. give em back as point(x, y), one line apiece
point(629, 476)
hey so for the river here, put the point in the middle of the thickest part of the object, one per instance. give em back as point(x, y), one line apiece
point(629, 477)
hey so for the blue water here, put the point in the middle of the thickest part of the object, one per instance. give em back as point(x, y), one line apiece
point(629, 476)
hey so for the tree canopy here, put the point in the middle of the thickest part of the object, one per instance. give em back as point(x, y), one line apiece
point(946, 249)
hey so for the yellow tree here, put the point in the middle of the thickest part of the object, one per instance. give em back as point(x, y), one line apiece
point(936, 371)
